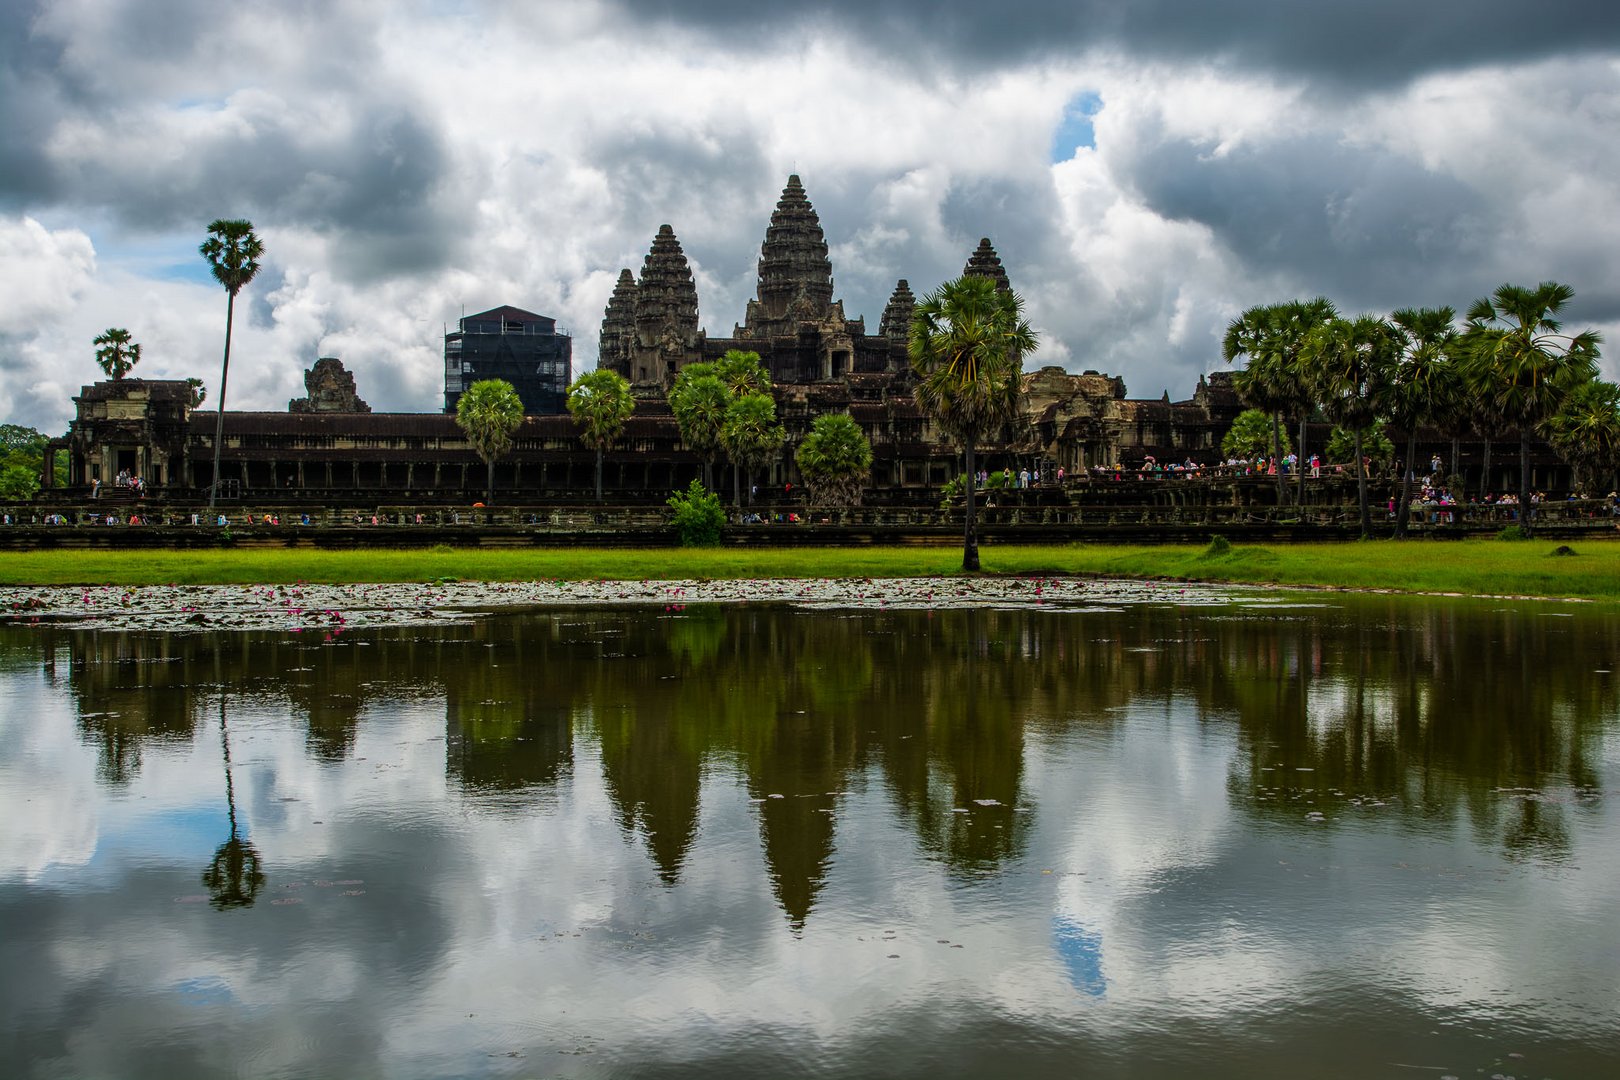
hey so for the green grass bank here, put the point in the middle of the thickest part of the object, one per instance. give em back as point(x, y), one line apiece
point(1470, 567)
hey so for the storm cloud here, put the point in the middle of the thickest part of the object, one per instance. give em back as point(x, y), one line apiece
point(1146, 170)
point(1351, 44)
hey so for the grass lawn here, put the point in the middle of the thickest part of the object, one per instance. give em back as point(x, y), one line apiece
point(1470, 566)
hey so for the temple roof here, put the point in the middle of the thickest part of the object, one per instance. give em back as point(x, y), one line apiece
point(151, 389)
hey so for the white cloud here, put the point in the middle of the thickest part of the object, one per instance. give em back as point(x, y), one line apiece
point(409, 162)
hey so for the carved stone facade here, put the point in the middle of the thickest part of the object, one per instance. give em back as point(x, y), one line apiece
point(133, 426)
point(650, 328)
point(331, 389)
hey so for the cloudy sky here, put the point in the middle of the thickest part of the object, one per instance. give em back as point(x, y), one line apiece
point(1146, 168)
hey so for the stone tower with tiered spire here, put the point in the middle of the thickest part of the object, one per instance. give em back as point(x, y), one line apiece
point(896, 322)
point(984, 262)
point(665, 336)
point(618, 326)
point(795, 275)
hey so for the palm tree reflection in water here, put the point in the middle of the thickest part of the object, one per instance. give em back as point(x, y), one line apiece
point(234, 878)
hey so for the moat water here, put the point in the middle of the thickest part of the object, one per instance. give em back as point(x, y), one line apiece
point(1353, 836)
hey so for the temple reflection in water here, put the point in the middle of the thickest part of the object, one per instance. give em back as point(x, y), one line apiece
point(1369, 701)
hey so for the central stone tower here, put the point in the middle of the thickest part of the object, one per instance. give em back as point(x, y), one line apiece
point(795, 275)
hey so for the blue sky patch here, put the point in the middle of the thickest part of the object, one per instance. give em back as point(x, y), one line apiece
point(1076, 130)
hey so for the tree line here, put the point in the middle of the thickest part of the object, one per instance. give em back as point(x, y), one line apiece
point(1507, 371)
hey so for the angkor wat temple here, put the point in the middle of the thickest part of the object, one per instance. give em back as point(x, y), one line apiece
point(820, 361)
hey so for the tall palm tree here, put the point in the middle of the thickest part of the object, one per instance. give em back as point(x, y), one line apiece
point(699, 400)
point(1522, 364)
point(1420, 385)
point(1271, 337)
point(600, 403)
point(751, 436)
point(1294, 321)
point(744, 375)
point(967, 342)
point(1351, 362)
point(233, 253)
point(1262, 384)
point(489, 412)
point(116, 353)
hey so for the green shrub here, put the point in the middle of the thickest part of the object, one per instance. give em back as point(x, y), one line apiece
point(1219, 547)
point(698, 516)
point(1512, 532)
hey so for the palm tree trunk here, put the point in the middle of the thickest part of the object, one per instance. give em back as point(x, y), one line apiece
point(970, 534)
point(1276, 457)
point(1403, 513)
point(708, 473)
point(1524, 481)
point(1299, 462)
point(219, 420)
point(489, 486)
point(1456, 452)
point(599, 474)
point(736, 484)
point(1361, 489)
point(1485, 471)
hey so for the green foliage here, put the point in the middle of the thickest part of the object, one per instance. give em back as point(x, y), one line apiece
point(1517, 357)
point(1219, 548)
point(699, 400)
point(18, 482)
point(1250, 436)
point(835, 460)
point(1585, 432)
point(743, 373)
point(198, 391)
point(749, 431)
point(22, 461)
point(1513, 533)
point(966, 346)
point(698, 516)
point(14, 437)
point(954, 489)
point(967, 343)
point(1375, 445)
point(232, 251)
point(600, 403)
point(1425, 385)
point(116, 353)
point(1352, 363)
point(489, 412)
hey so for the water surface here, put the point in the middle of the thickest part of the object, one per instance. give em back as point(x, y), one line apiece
point(1350, 837)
